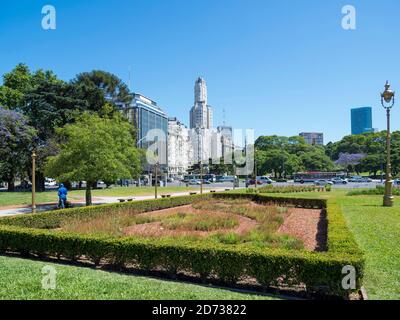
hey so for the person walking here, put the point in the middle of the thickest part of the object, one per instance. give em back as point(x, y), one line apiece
point(62, 196)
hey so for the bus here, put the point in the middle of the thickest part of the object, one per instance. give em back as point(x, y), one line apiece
point(312, 176)
point(206, 176)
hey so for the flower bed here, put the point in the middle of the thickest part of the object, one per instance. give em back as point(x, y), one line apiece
point(317, 271)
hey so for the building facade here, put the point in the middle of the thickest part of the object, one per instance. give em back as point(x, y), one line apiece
point(201, 115)
point(206, 145)
point(227, 143)
point(179, 148)
point(361, 120)
point(313, 138)
point(146, 115)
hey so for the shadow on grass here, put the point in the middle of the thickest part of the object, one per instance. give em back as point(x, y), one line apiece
point(179, 278)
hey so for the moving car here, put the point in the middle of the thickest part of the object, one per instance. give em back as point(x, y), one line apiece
point(323, 182)
point(338, 180)
point(265, 180)
point(194, 182)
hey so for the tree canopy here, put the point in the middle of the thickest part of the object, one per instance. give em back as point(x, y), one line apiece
point(93, 149)
point(16, 137)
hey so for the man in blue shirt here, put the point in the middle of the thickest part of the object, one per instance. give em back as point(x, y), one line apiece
point(62, 196)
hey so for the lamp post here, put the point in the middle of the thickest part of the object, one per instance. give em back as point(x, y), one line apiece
point(255, 168)
point(155, 186)
point(33, 182)
point(387, 101)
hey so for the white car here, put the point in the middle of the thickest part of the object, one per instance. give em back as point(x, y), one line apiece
point(339, 181)
point(194, 182)
point(323, 183)
point(264, 180)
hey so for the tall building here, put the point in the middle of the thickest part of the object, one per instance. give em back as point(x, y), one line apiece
point(313, 138)
point(146, 115)
point(227, 142)
point(361, 120)
point(201, 113)
point(179, 148)
point(206, 145)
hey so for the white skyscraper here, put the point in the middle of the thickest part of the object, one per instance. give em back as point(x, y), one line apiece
point(201, 113)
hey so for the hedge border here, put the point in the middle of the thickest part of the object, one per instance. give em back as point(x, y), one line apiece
point(319, 271)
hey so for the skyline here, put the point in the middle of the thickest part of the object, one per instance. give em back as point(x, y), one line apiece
point(263, 57)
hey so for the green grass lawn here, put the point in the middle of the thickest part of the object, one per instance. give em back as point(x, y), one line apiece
point(22, 279)
point(376, 229)
point(377, 232)
point(24, 198)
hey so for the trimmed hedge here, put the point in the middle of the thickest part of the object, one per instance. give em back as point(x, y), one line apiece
point(229, 263)
point(289, 189)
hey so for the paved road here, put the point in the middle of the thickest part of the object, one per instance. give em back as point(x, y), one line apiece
point(207, 188)
point(97, 201)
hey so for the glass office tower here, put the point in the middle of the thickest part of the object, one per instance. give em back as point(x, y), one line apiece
point(361, 120)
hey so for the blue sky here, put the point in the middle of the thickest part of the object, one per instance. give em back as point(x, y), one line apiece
point(280, 67)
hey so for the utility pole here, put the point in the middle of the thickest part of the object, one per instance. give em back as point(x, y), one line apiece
point(156, 184)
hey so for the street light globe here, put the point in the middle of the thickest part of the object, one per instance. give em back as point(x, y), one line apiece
point(388, 94)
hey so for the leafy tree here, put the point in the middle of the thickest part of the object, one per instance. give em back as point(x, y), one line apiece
point(18, 82)
point(95, 149)
point(293, 164)
point(16, 138)
point(372, 163)
point(113, 88)
point(316, 160)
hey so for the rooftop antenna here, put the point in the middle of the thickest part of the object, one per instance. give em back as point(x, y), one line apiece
point(223, 117)
point(129, 78)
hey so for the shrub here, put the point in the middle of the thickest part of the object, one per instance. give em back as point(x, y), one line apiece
point(228, 263)
point(379, 190)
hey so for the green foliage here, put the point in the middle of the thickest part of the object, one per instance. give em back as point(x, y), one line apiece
point(111, 86)
point(95, 149)
point(228, 263)
point(373, 145)
point(289, 189)
point(379, 190)
point(288, 155)
point(15, 138)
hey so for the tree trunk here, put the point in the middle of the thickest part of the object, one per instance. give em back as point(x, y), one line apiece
point(11, 185)
point(40, 182)
point(88, 193)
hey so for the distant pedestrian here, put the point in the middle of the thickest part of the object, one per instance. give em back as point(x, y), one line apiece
point(62, 196)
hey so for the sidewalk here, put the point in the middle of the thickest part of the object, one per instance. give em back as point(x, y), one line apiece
point(96, 201)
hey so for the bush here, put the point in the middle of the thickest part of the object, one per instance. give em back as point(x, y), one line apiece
point(379, 190)
point(229, 263)
point(290, 189)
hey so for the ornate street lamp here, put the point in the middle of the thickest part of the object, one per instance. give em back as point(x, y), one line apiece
point(387, 101)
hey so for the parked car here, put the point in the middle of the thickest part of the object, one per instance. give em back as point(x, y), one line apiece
point(339, 181)
point(359, 179)
point(251, 182)
point(323, 182)
point(226, 179)
point(396, 182)
point(194, 182)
